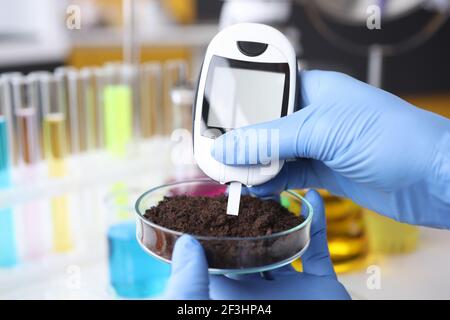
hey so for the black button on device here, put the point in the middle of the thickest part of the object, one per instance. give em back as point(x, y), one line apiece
point(252, 49)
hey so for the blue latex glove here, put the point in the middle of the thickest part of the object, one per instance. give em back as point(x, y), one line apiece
point(360, 142)
point(190, 279)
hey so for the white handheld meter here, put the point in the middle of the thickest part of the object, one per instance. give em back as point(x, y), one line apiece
point(248, 76)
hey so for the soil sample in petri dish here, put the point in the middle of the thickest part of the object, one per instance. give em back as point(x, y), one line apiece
point(206, 217)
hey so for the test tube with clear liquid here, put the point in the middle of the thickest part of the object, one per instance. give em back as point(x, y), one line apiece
point(34, 90)
point(99, 87)
point(83, 100)
point(26, 113)
point(175, 73)
point(66, 77)
point(151, 111)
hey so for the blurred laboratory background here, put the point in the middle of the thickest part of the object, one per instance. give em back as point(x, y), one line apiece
point(96, 108)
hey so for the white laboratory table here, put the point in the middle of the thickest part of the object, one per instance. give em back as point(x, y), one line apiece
point(422, 274)
point(419, 275)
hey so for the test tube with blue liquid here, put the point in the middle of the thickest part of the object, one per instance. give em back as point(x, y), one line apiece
point(133, 273)
point(7, 79)
point(8, 241)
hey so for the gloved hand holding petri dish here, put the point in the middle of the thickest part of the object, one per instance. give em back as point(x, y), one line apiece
point(248, 76)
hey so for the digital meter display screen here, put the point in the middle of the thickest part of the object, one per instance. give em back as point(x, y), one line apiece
point(240, 93)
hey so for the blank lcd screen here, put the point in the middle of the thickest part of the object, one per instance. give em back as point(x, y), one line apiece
point(241, 97)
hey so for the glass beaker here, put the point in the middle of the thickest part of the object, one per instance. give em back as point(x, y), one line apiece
point(347, 240)
point(389, 236)
point(133, 274)
point(346, 232)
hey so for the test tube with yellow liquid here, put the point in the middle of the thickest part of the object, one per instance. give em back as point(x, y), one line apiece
point(55, 149)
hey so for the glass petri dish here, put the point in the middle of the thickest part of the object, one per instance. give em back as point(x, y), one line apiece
point(225, 255)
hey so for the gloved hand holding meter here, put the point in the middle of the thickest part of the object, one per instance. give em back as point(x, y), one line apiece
point(343, 135)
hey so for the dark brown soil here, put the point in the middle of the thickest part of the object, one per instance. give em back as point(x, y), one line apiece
point(206, 216)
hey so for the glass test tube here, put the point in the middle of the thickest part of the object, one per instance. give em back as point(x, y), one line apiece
point(36, 101)
point(118, 110)
point(175, 72)
point(26, 120)
point(99, 87)
point(55, 148)
point(130, 77)
point(8, 244)
point(182, 96)
point(83, 101)
point(151, 118)
point(9, 114)
point(69, 97)
point(25, 99)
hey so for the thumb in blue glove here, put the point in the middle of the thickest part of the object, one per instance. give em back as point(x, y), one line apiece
point(317, 281)
point(189, 279)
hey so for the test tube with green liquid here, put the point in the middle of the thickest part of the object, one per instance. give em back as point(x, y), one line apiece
point(117, 110)
point(8, 241)
point(55, 150)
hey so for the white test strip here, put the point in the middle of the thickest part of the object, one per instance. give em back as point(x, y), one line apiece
point(234, 198)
